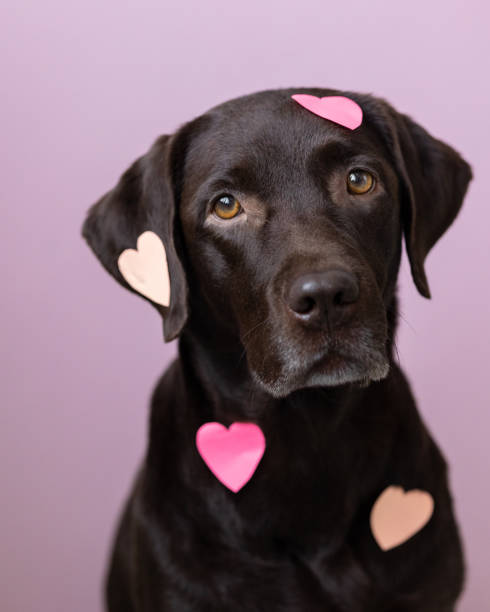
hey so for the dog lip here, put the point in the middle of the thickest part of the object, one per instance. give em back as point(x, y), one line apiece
point(333, 359)
point(330, 359)
point(344, 360)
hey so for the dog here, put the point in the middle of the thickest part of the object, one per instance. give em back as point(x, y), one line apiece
point(282, 231)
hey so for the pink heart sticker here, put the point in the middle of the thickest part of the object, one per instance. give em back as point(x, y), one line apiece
point(338, 109)
point(231, 454)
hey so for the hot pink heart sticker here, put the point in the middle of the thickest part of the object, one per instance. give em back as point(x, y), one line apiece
point(339, 109)
point(231, 454)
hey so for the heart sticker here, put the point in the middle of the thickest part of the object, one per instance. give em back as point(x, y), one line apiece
point(231, 454)
point(145, 269)
point(338, 109)
point(397, 515)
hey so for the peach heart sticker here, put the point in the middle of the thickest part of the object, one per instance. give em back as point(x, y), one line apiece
point(231, 454)
point(145, 269)
point(397, 515)
point(338, 109)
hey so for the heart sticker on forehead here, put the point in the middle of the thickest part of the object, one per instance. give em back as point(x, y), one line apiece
point(145, 269)
point(338, 109)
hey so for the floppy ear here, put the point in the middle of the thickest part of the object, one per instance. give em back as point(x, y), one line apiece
point(434, 181)
point(143, 200)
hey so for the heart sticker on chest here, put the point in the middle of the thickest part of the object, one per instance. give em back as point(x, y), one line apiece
point(231, 454)
point(338, 109)
point(398, 515)
point(145, 269)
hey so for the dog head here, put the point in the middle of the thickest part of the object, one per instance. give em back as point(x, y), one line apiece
point(283, 230)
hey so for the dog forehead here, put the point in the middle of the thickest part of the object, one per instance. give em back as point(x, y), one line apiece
point(260, 131)
point(265, 142)
point(270, 124)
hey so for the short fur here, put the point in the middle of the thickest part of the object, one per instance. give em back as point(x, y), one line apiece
point(337, 412)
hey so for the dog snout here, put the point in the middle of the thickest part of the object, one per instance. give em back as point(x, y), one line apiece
point(323, 300)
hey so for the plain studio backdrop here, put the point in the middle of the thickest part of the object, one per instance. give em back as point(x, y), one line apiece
point(86, 87)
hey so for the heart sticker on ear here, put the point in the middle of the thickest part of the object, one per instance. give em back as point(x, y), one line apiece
point(398, 515)
point(145, 269)
point(338, 109)
point(231, 454)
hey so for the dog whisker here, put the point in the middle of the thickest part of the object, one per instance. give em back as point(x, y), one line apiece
point(396, 351)
point(402, 316)
point(248, 333)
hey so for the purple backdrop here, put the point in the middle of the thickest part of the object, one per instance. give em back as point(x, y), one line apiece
point(87, 86)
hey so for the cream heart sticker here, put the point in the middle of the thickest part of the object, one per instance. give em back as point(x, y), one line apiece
point(145, 269)
point(397, 515)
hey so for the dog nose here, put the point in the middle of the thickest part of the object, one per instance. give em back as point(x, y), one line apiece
point(323, 299)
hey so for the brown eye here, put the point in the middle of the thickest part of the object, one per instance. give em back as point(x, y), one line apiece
point(359, 181)
point(227, 207)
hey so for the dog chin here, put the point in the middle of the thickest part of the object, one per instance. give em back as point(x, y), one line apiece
point(330, 370)
point(284, 386)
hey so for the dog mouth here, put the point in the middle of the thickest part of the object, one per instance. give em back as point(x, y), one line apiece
point(340, 357)
point(338, 367)
point(330, 362)
point(356, 361)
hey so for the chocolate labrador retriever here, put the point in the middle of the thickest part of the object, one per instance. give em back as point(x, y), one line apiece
point(282, 231)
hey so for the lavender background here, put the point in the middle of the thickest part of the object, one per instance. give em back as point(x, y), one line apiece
point(86, 87)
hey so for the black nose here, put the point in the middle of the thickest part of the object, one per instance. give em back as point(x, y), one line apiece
point(323, 299)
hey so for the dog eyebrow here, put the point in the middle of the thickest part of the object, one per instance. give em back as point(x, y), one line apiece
point(337, 153)
point(236, 179)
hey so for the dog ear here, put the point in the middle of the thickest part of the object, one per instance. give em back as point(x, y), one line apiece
point(434, 181)
point(143, 199)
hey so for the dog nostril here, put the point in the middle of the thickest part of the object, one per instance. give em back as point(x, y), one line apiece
point(304, 305)
point(346, 295)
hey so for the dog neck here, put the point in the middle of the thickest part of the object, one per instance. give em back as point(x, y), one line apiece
point(314, 438)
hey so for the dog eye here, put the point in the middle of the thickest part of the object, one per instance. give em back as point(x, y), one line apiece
point(227, 207)
point(359, 181)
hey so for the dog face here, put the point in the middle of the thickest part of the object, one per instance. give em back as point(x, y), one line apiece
point(283, 230)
